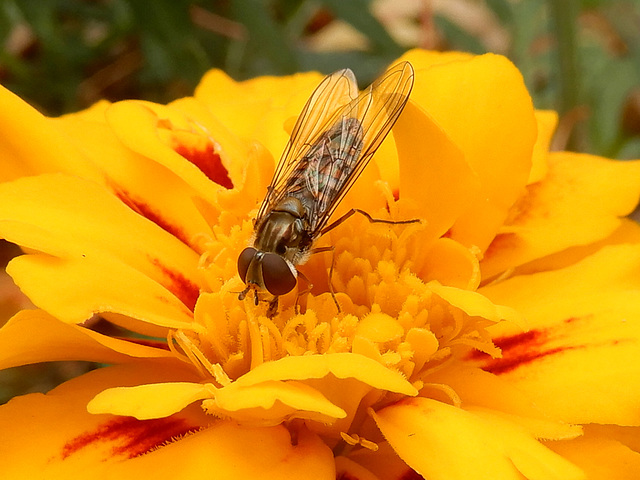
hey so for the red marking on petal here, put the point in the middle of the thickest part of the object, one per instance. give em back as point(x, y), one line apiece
point(130, 437)
point(209, 163)
point(183, 288)
point(149, 213)
point(518, 350)
point(396, 194)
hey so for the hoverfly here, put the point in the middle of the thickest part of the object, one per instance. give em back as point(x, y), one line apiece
point(332, 141)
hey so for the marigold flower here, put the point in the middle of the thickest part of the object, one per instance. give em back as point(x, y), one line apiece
point(498, 338)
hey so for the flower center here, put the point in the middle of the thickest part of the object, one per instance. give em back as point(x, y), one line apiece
point(387, 313)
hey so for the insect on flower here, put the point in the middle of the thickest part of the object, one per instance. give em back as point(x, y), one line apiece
point(332, 142)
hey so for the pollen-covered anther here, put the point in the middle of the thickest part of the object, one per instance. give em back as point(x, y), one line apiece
point(197, 357)
point(355, 439)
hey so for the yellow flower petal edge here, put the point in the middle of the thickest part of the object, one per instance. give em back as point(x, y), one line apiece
point(434, 174)
point(498, 151)
point(145, 402)
point(341, 365)
point(59, 341)
point(271, 403)
point(477, 305)
point(579, 202)
point(32, 144)
point(479, 449)
point(547, 121)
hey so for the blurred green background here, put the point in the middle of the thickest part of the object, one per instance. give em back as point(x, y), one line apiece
point(581, 58)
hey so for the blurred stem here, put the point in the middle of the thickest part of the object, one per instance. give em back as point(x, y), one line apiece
point(564, 15)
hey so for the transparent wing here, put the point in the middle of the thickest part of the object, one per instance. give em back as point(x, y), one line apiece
point(344, 133)
point(376, 110)
point(334, 91)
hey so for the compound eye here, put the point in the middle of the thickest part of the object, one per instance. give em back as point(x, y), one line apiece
point(244, 260)
point(278, 277)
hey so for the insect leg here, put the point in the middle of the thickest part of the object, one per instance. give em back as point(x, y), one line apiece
point(331, 249)
point(273, 308)
point(302, 276)
point(353, 211)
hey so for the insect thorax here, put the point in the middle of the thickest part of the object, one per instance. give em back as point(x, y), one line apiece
point(285, 231)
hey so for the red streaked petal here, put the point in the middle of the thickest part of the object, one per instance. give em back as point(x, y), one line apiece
point(61, 439)
point(70, 217)
point(71, 290)
point(578, 361)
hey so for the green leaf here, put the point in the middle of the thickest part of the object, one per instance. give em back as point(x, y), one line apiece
point(357, 13)
point(265, 35)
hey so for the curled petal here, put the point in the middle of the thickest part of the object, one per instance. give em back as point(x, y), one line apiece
point(146, 402)
point(270, 403)
point(547, 121)
point(341, 365)
point(433, 173)
point(475, 304)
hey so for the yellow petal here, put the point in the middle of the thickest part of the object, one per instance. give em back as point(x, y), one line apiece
point(168, 137)
point(257, 108)
point(342, 365)
point(478, 389)
point(483, 106)
point(476, 305)
point(451, 264)
point(33, 336)
point(627, 232)
point(146, 402)
point(601, 458)
point(379, 328)
point(70, 290)
point(31, 144)
point(271, 403)
point(578, 361)
point(443, 442)
point(384, 463)
point(66, 216)
point(62, 438)
point(434, 175)
point(579, 202)
point(547, 121)
point(142, 184)
point(43, 213)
